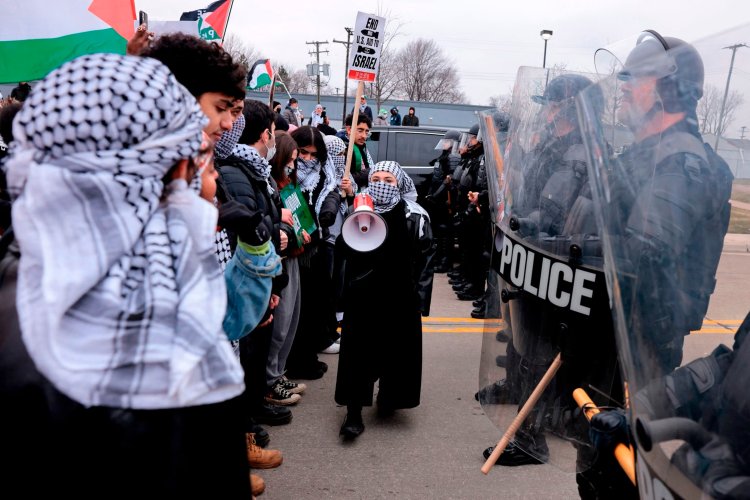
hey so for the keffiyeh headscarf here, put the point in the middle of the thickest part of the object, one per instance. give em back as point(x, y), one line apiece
point(385, 196)
point(229, 138)
point(259, 165)
point(337, 156)
point(308, 177)
point(120, 297)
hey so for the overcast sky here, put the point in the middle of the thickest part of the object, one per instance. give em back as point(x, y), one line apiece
point(489, 39)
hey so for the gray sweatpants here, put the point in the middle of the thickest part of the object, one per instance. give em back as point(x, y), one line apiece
point(285, 320)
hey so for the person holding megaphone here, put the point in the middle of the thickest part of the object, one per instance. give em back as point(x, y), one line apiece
point(387, 290)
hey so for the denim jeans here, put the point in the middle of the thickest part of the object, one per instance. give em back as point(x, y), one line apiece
point(248, 277)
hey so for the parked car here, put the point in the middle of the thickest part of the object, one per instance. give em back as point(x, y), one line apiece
point(411, 147)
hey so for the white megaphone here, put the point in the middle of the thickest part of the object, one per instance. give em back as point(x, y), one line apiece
point(364, 230)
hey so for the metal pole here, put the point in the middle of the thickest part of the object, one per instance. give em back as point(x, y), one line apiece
point(742, 132)
point(726, 91)
point(544, 61)
point(348, 42)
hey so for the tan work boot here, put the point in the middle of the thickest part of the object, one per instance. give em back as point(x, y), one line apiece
point(257, 485)
point(260, 458)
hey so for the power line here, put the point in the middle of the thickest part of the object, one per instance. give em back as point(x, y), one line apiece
point(347, 43)
point(317, 53)
point(733, 48)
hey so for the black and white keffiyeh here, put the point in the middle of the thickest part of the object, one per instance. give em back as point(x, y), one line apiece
point(229, 138)
point(385, 196)
point(120, 297)
point(257, 164)
point(337, 156)
point(308, 177)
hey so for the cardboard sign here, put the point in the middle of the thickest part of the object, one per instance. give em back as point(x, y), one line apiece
point(293, 199)
point(364, 57)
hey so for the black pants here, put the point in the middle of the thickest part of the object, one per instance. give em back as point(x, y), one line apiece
point(254, 357)
point(121, 453)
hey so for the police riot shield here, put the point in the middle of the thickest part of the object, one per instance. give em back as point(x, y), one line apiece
point(547, 262)
point(675, 258)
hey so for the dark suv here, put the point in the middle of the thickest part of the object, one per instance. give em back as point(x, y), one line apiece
point(411, 147)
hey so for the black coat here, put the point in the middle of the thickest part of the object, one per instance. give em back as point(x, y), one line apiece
point(385, 296)
point(238, 182)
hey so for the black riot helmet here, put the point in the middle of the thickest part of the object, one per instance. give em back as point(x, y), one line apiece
point(675, 64)
point(561, 88)
point(450, 141)
point(564, 88)
point(502, 121)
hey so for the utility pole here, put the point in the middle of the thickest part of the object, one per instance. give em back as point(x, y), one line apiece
point(726, 91)
point(742, 132)
point(317, 53)
point(348, 43)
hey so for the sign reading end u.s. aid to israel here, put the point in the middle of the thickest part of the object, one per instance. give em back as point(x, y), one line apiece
point(364, 56)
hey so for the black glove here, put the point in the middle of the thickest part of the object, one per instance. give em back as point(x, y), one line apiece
point(247, 225)
point(608, 429)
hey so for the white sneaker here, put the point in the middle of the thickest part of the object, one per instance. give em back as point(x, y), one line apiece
point(332, 349)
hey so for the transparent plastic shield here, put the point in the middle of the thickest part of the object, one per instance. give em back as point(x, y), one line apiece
point(676, 263)
point(546, 273)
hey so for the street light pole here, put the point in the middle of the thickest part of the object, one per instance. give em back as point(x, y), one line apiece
point(546, 35)
point(348, 43)
point(733, 48)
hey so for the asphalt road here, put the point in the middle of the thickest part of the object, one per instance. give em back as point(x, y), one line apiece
point(434, 451)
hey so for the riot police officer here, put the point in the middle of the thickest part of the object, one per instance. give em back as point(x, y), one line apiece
point(673, 193)
point(441, 198)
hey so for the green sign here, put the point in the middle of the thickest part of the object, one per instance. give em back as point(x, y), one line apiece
point(293, 199)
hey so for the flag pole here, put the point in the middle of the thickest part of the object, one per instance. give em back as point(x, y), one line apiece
point(226, 23)
point(273, 88)
point(353, 128)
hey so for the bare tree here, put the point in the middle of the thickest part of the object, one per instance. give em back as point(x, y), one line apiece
point(709, 108)
point(427, 74)
point(300, 83)
point(501, 102)
point(240, 51)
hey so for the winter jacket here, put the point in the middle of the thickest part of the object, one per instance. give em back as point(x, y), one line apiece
point(410, 121)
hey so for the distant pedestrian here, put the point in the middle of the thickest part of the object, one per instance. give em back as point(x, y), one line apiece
point(325, 126)
point(291, 113)
point(410, 120)
point(382, 118)
point(395, 117)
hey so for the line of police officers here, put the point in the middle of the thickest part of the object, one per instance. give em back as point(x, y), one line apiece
point(578, 228)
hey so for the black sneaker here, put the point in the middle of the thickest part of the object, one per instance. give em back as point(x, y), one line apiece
point(502, 336)
point(272, 415)
point(497, 393)
point(280, 396)
point(293, 387)
point(479, 313)
point(512, 456)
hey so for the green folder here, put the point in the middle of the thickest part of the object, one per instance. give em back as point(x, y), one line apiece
point(293, 199)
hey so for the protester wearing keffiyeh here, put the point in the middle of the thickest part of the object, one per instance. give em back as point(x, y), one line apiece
point(308, 177)
point(120, 297)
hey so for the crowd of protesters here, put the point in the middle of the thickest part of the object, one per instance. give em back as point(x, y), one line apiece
point(161, 301)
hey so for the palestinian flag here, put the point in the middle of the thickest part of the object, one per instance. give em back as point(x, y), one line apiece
point(260, 75)
point(39, 35)
point(212, 21)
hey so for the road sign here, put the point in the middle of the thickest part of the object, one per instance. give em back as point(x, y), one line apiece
point(364, 57)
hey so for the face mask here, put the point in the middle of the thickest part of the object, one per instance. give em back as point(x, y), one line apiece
point(384, 194)
point(361, 107)
point(271, 150)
